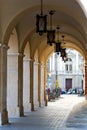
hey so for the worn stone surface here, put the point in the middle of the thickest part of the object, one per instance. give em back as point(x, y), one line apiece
point(61, 114)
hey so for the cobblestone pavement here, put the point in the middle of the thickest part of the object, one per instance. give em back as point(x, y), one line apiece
point(69, 112)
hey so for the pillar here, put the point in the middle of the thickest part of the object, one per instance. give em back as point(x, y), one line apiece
point(85, 76)
point(86, 82)
point(31, 84)
point(3, 85)
point(35, 85)
point(12, 84)
point(20, 84)
point(45, 77)
point(39, 84)
point(26, 85)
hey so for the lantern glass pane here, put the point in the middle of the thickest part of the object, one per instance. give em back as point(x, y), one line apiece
point(41, 23)
point(51, 36)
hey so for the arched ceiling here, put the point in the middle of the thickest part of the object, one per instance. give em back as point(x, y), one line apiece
point(21, 14)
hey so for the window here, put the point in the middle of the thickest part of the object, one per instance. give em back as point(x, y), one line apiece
point(68, 68)
point(68, 65)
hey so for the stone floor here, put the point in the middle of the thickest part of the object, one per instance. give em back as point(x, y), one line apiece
point(69, 112)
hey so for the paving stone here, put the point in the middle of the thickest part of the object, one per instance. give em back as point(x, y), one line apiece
point(62, 114)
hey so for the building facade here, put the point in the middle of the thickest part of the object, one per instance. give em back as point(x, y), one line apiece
point(70, 74)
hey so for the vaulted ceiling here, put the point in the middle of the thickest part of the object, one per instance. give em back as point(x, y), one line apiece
point(21, 14)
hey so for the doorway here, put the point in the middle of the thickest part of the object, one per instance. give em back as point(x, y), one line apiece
point(68, 84)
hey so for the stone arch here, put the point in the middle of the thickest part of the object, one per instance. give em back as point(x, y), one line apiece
point(7, 36)
point(14, 70)
point(75, 67)
point(16, 18)
point(48, 53)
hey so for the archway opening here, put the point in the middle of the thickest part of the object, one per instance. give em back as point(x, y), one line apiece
point(65, 77)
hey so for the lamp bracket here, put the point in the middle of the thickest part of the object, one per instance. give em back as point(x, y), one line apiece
point(52, 12)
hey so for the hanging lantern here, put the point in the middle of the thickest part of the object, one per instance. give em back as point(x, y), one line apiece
point(58, 47)
point(58, 43)
point(50, 37)
point(51, 32)
point(64, 58)
point(63, 52)
point(41, 22)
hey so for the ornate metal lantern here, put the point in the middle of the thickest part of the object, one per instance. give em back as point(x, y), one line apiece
point(51, 37)
point(51, 32)
point(63, 54)
point(58, 47)
point(41, 22)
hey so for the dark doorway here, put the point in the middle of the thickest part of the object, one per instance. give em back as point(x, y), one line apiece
point(68, 84)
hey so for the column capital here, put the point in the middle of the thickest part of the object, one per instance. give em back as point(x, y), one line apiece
point(21, 54)
point(32, 60)
point(39, 63)
point(36, 62)
point(4, 46)
point(85, 64)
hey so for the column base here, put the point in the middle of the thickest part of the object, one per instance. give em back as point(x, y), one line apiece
point(46, 102)
point(39, 104)
point(36, 105)
point(86, 96)
point(13, 111)
point(32, 106)
point(27, 107)
point(3, 117)
point(21, 111)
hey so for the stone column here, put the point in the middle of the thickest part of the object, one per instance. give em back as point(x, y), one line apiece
point(39, 84)
point(20, 84)
point(26, 85)
point(35, 85)
point(45, 76)
point(31, 84)
point(86, 82)
point(3, 85)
